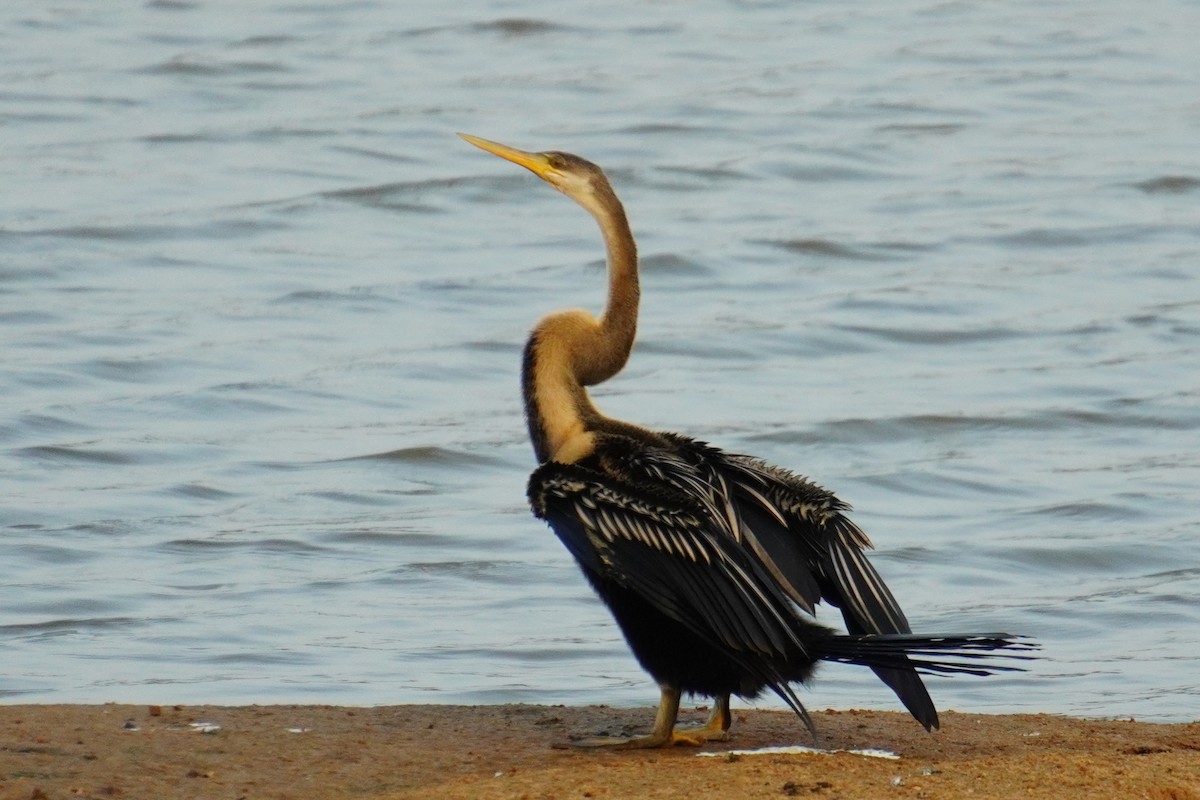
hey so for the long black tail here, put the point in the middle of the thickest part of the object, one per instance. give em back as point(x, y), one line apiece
point(932, 654)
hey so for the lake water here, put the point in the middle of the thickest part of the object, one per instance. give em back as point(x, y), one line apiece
point(261, 315)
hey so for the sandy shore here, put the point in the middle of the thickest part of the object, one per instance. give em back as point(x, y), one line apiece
point(253, 752)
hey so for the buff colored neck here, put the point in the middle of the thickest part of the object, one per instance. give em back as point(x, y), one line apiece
point(570, 350)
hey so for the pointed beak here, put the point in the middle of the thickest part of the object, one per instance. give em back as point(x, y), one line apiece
point(536, 163)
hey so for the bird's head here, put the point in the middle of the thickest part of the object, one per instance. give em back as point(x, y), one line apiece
point(576, 177)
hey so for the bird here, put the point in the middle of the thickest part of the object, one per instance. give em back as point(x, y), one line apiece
point(712, 563)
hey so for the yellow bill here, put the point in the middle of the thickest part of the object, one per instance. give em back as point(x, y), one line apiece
point(536, 163)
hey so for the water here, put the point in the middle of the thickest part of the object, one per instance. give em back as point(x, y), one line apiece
point(261, 316)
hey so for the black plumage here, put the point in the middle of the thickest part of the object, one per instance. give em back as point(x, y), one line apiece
point(709, 562)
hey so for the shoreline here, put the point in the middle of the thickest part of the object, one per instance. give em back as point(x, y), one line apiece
point(49, 752)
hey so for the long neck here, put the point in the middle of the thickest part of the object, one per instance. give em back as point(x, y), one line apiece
point(572, 349)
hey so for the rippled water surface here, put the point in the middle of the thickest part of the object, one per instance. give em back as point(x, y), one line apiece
point(261, 315)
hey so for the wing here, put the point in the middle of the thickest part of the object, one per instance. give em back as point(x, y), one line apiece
point(664, 549)
point(796, 528)
point(799, 534)
point(815, 521)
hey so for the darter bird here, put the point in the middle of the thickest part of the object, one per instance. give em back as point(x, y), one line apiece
point(711, 563)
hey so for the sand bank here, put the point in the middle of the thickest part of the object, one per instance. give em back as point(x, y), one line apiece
point(257, 752)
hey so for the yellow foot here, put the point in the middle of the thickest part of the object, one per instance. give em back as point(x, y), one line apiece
point(665, 734)
point(701, 734)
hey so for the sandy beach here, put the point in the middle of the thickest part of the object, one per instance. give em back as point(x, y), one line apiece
point(49, 752)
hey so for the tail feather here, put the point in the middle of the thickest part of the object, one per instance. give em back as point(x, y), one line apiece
point(938, 654)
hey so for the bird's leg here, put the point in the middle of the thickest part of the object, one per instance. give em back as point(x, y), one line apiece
point(715, 730)
point(665, 734)
point(661, 736)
